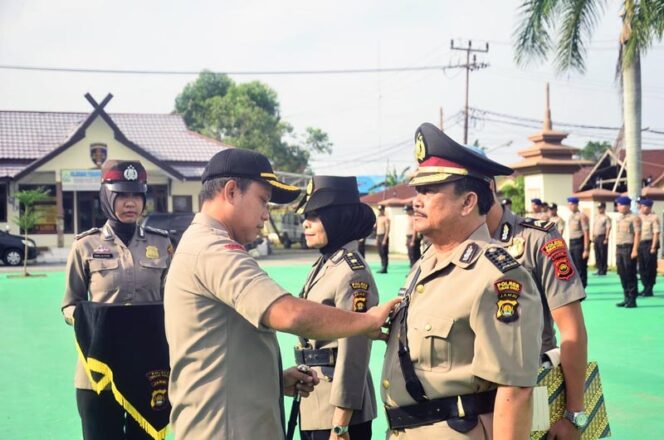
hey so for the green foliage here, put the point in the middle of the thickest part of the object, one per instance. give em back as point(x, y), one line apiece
point(517, 193)
point(247, 116)
point(594, 150)
point(28, 217)
point(392, 178)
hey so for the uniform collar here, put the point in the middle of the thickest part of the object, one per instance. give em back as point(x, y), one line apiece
point(205, 220)
point(109, 235)
point(462, 256)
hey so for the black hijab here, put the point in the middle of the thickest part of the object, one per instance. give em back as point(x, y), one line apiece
point(125, 231)
point(345, 223)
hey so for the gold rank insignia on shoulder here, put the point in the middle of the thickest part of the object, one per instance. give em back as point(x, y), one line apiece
point(501, 259)
point(517, 247)
point(508, 300)
point(152, 252)
point(354, 261)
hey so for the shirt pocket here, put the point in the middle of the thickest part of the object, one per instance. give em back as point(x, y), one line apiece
point(104, 276)
point(154, 263)
point(435, 349)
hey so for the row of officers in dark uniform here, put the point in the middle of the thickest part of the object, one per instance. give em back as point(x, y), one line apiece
point(465, 335)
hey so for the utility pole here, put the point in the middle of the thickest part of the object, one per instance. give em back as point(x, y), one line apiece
point(469, 67)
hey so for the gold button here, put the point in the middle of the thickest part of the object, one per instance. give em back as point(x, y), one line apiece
point(386, 384)
point(427, 327)
point(395, 433)
point(420, 288)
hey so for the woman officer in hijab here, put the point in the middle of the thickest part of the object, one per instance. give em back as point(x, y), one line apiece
point(343, 405)
point(117, 263)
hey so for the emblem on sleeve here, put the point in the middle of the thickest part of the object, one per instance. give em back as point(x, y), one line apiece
point(159, 383)
point(556, 251)
point(234, 247)
point(359, 301)
point(508, 300)
point(152, 252)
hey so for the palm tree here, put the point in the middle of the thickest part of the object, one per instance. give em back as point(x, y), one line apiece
point(574, 20)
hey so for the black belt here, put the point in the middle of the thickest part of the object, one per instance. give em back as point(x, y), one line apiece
point(440, 410)
point(322, 357)
point(575, 240)
point(626, 245)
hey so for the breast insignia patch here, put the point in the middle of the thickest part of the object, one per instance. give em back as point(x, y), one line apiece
point(152, 252)
point(354, 261)
point(508, 300)
point(102, 252)
point(501, 259)
point(541, 225)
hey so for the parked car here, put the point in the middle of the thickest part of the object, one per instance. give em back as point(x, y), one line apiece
point(12, 249)
point(291, 230)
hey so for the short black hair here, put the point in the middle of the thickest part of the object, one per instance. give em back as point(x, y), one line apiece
point(213, 186)
point(485, 197)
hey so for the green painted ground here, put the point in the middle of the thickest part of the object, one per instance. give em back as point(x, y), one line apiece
point(37, 355)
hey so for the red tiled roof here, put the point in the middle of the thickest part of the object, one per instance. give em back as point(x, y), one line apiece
point(400, 191)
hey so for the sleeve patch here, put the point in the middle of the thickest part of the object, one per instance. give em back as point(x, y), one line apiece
point(234, 247)
point(354, 261)
point(359, 285)
point(541, 225)
point(556, 251)
point(501, 259)
point(359, 301)
point(507, 305)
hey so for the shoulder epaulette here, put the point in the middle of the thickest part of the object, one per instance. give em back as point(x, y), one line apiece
point(88, 232)
point(157, 231)
point(501, 259)
point(354, 260)
point(541, 225)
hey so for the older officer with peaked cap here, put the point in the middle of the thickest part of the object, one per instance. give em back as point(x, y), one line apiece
point(344, 404)
point(118, 263)
point(463, 351)
point(628, 237)
point(222, 311)
point(648, 246)
point(540, 248)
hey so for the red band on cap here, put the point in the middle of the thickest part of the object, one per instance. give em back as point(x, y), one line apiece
point(434, 161)
point(113, 175)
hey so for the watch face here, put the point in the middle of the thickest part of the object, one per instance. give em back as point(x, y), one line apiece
point(581, 420)
point(340, 430)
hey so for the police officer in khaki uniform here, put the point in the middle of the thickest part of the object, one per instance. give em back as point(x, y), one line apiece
point(383, 238)
point(579, 238)
point(648, 246)
point(536, 209)
point(413, 239)
point(540, 248)
point(601, 234)
point(556, 219)
point(222, 311)
point(628, 237)
point(463, 350)
point(344, 403)
point(118, 263)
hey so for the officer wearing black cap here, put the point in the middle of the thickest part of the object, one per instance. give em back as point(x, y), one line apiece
point(122, 263)
point(344, 403)
point(601, 234)
point(466, 340)
point(648, 246)
point(628, 237)
point(536, 208)
point(222, 311)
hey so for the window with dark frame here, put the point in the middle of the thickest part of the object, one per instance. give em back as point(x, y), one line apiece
point(182, 204)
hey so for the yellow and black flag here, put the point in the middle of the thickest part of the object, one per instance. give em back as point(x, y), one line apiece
point(124, 347)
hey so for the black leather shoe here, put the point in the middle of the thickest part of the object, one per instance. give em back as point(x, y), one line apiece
point(621, 304)
point(630, 305)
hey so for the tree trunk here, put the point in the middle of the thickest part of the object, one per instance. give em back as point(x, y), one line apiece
point(632, 118)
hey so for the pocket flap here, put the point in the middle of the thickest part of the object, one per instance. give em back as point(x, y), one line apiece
point(437, 327)
point(154, 263)
point(99, 264)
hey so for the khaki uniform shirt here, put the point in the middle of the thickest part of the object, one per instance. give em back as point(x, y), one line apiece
point(559, 223)
point(649, 226)
point(225, 378)
point(626, 226)
point(471, 326)
point(542, 251)
point(101, 268)
point(601, 225)
point(578, 224)
point(343, 281)
point(382, 225)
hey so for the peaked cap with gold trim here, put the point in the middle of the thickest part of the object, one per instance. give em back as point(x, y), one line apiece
point(441, 159)
point(237, 162)
point(324, 191)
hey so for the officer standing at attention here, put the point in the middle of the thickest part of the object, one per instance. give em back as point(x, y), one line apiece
point(601, 234)
point(628, 237)
point(556, 219)
point(344, 403)
point(118, 263)
point(648, 246)
point(539, 247)
point(463, 349)
point(536, 208)
point(413, 239)
point(579, 238)
point(383, 238)
point(222, 311)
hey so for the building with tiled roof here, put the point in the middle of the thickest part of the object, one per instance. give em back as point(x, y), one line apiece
point(63, 152)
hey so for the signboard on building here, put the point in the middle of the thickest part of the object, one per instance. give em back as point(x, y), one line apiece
point(81, 180)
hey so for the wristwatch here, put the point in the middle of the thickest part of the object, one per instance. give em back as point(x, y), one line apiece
point(578, 419)
point(340, 429)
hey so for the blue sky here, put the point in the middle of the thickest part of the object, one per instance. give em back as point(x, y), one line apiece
point(370, 118)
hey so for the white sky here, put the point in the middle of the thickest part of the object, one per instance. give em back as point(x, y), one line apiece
point(364, 114)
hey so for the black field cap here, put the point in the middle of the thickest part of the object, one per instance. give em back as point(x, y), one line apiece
point(324, 191)
point(124, 176)
point(237, 162)
point(441, 159)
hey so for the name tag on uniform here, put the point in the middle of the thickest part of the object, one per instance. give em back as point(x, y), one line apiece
point(102, 252)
